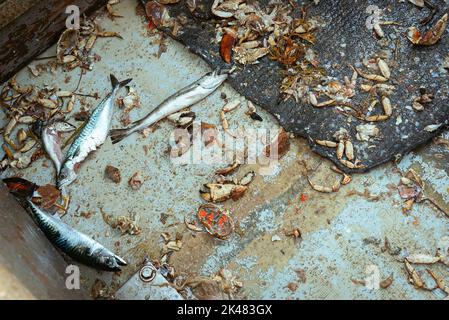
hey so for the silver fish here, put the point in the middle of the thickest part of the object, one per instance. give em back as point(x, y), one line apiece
point(93, 134)
point(184, 98)
point(51, 140)
point(75, 244)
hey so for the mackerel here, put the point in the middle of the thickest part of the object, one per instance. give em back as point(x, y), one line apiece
point(75, 244)
point(91, 136)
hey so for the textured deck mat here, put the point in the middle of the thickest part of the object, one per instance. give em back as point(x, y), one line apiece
point(345, 40)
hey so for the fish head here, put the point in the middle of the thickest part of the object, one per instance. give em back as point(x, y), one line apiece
point(213, 79)
point(49, 132)
point(109, 261)
point(66, 176)
point(62, 126)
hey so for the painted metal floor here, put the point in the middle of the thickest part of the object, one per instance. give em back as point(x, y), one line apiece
point(342, 234)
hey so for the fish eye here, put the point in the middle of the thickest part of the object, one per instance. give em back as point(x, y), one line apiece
point(109, 261)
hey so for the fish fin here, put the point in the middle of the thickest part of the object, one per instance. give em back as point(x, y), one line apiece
point(118, 135)
point(118, 84)
point(20, 188)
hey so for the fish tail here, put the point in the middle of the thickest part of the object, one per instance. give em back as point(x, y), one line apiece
point(118, 135)
point(118, 84)
point(20, 188)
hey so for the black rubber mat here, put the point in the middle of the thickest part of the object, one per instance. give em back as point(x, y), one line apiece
point(345, 40)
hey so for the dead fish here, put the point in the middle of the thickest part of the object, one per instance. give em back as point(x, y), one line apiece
point(92, 135)
point(74, 243)
point(184, 98)
point(51, 141)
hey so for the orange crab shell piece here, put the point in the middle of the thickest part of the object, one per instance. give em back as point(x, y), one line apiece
point(227, 42)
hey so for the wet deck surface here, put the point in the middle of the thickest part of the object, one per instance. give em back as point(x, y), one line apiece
point(342, 234)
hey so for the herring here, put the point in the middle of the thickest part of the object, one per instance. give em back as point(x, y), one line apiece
point(75, 244)
point(91, 136)
point(184, 98)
